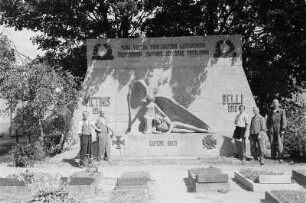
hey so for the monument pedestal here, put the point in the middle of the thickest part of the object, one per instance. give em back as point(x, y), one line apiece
point(172, 145)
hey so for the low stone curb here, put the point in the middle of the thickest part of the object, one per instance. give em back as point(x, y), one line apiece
point(268, 179)
point(299, 177)
point(81, 183)
point(133, 180)
point(271, 198)
point(207, 179)
point(250, 185)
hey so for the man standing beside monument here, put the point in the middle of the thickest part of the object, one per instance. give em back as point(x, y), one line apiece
point(85, 139)
point(276, 123)
point(257, 129)
point(241, 123)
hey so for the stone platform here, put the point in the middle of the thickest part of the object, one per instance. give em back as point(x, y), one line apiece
point(172, 145)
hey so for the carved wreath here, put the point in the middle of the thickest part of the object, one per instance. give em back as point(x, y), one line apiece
point(218, 52)
point(209, 142)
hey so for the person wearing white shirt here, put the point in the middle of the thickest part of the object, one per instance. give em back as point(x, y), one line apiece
point(85, 139)
point(241, 123)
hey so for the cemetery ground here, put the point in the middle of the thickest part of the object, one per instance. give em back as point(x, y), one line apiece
point(169, 178)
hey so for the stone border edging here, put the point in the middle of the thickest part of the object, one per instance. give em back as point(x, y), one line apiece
point(250, 185)
point(299, 177)
point(271, 198)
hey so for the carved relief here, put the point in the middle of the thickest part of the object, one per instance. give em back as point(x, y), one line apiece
point(160, 114)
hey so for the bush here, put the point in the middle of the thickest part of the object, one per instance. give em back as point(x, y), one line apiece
point(25, 154)
point(53, 142)
point(295, 145)
point(45, 187)
point(295, 136)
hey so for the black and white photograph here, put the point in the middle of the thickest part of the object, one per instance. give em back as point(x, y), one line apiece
point(153, 101)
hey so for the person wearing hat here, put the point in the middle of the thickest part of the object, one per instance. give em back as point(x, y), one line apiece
point(103, 138)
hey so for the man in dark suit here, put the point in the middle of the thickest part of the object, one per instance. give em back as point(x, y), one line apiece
point(276, 124)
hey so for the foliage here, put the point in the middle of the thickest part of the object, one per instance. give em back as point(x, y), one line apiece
point(273, 36)
point(45, 187)
point(42, 96)
point(273, 32)
point(93, 166)
point(253, 174)
point(7, 55)
point(66, 25)
point(53, 142)
point(295, 135)
point(25, 154)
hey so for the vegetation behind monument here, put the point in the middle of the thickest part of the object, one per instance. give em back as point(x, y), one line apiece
point(43, 99)
point(273, 32)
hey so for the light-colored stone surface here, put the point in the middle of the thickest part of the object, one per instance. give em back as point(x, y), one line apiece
point(282, 179)
point(207, 86)
point(161, 145)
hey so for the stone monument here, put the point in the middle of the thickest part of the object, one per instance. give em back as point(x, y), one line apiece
point(173, 96)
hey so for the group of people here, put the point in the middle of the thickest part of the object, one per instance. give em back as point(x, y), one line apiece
point(103, 137)
point(274, 125)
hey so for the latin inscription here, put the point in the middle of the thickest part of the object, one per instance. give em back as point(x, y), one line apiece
point(163, 143)
point(232, 101)
point(161, 50)
point(96, 103)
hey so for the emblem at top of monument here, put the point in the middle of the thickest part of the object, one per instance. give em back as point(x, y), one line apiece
point(102, 52)
point(225, 49)
point(160, 114)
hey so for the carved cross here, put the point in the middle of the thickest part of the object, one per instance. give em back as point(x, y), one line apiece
point(118, 142)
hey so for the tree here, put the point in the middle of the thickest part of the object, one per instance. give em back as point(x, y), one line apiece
point(273, 32)
point(39, 94)
point(67, 24)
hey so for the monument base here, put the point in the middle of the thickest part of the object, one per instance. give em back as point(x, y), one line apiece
point(172, 145)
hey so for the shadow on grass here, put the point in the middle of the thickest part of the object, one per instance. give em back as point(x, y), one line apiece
point(189, 185)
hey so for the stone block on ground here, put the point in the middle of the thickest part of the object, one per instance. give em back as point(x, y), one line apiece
point(281, 179)
point(11, 182)
point(208, 179)
point(13, 186)
point(208, 171)
point(299, 176)
point(206, 187)
point(83, 182)
point(250, 185)
point(132, 179)
point(213, 178)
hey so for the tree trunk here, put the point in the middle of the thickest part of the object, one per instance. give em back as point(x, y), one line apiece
point(124, 28)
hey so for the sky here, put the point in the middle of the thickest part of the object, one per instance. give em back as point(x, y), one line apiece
point(22, 41)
